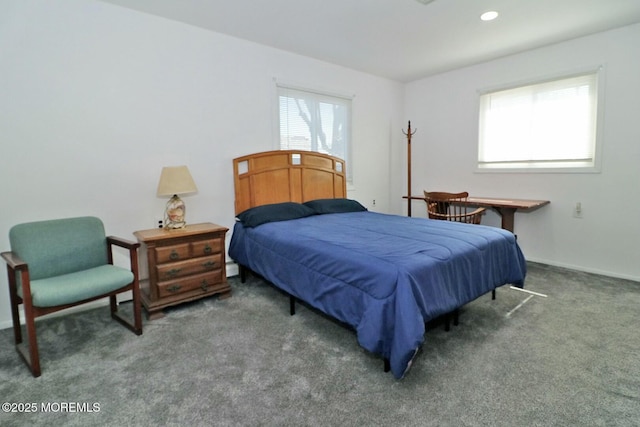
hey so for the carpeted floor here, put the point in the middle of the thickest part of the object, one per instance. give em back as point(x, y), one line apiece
point(570, 359)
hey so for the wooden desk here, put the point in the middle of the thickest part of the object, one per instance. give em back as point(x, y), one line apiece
point(505, 207)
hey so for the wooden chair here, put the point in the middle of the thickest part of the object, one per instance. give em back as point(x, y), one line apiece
point(451, 207)
point(57, 264)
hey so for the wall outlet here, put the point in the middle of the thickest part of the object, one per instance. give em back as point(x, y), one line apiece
point(577, 210)
point(159, 222)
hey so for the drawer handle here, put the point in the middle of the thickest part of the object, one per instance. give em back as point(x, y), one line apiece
point(173, 272)
point(204, 285)
point(207, 249)
point(174, 255)
point(209, 264)
point(174, 288)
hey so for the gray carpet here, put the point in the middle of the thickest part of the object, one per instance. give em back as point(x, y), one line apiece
point(570, 359)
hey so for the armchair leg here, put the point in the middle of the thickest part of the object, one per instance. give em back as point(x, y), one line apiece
point(13, 297)
point(28, 351)
point(137, 307)
point(30, 355)
point(136, 326)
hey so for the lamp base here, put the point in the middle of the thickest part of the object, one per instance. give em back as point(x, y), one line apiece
point(174, 213)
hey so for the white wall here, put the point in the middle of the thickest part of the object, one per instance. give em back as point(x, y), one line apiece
point(444, 109)
point(95, 99)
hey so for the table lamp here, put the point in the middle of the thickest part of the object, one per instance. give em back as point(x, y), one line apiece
point(175, 180)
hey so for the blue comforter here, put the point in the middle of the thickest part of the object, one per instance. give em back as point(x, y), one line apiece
point(385, 275)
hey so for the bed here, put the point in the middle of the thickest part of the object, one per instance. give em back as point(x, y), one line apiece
point(385, 276)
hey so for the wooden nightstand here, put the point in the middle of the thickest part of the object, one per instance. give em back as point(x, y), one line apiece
point(184, 265)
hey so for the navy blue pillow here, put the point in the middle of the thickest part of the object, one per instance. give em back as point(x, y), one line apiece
point(327, 206)
point(274, 212)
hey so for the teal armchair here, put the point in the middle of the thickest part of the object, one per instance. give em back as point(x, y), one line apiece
point(58, 264)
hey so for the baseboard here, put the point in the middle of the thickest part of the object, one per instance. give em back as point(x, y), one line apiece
point(232, 270)
point(585, 270)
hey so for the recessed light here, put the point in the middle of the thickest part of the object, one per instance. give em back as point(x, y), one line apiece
point(489, 16)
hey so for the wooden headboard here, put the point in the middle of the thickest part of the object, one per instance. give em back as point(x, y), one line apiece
point(287, 176)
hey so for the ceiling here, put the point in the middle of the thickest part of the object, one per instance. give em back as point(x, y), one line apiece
point(403, 40)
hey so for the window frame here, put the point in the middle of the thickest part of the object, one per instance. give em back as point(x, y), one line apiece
point(348, 158)
point(553, 166)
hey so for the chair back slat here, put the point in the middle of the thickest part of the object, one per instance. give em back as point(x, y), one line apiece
point(451, 207)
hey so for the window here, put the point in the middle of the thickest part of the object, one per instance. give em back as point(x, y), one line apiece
point(547, 125)
point(315, 122)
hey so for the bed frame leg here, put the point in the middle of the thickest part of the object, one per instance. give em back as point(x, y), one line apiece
point(243, 273)
point(447, 319)
point(387, 365)
point(292, 305)
point(493, 294)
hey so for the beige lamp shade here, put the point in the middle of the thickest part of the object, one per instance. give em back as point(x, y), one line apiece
point(176, 180)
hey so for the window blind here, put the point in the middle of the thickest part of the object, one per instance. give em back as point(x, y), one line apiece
point(315, 122)
point(549, 124)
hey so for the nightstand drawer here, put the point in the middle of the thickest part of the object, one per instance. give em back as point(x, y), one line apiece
point(174, 270)
point(172, 253)
point(206, 247)
point(203, 282)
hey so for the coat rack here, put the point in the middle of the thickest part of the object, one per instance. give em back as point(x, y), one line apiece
point(409, 134)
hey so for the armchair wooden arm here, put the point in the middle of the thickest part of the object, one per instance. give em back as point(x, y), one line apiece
point(14, 261)
point(123, 243)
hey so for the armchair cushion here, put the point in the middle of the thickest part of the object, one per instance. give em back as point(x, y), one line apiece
point(74, 287)
point(60, 246)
